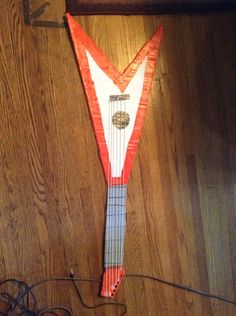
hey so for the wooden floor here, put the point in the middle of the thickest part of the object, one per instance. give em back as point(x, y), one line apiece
point(181, 220)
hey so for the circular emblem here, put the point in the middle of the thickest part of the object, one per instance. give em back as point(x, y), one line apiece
point(121, 119)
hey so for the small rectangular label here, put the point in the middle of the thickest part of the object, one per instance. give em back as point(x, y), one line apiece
point(119, 97)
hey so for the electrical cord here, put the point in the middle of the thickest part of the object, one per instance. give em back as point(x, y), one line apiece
point(183, 287)
point(24, 302)
point(95, 306)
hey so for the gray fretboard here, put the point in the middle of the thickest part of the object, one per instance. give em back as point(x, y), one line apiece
point(115, 225)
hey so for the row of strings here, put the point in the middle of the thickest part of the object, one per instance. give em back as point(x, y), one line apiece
point(116, 144)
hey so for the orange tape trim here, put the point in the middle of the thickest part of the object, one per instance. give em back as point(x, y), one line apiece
point(83, 42)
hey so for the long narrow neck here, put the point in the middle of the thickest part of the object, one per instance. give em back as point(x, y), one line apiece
point(114, 239)
point(115, 225)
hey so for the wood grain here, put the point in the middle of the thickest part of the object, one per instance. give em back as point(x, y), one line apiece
point(181, 196)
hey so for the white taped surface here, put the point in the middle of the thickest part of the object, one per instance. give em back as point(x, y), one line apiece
point(116, 139)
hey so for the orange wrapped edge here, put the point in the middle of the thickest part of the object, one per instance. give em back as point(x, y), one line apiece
point(112, 278)
point(83, 42)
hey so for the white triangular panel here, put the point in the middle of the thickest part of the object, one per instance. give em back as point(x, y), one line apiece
point(116, 139)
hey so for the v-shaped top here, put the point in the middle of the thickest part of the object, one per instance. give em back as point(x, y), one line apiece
point(101, 79)
point(120, 78)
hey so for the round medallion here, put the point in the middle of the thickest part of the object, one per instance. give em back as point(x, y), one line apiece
point(121, 119)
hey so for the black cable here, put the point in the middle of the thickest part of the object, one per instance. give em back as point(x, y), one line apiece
point(51, 310)
point(20, 303)
point(14, 303)
point(183, 287)
point(73, 279)
point(94, 306)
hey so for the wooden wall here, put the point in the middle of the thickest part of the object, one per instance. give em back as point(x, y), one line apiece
point(182, 192)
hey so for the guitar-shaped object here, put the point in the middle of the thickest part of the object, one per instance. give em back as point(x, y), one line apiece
point(117, 103)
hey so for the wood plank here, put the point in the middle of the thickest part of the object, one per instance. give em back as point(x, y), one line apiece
point(181, 196)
